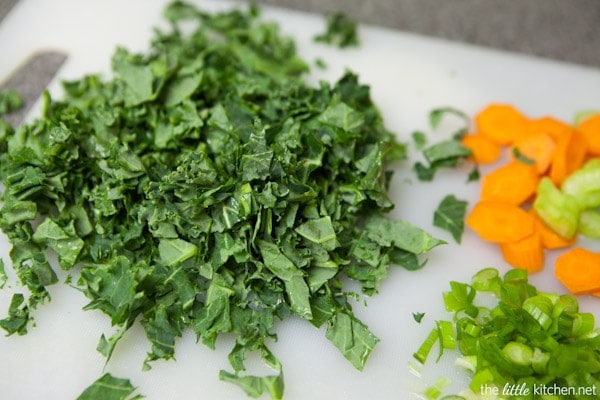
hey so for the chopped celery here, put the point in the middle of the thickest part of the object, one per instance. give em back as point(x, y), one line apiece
point(558, 210)
point(584, 185)
point(589, 223)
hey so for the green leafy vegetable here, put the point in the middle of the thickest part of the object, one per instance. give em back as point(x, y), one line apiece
point(341, 31)
point(450, 215)
point(205, 185)
point(109, 387)
point(3, 276)
point(528, 339)
point(418, 316)
point(437, 115)
point(10, 100)
point(420, 139)
point(446, 153)
point(521, 157)
point(474, 175)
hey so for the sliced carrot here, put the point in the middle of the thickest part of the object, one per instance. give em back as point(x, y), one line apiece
point(569, 155)
point(550, 239)
point(502, 123)
point(590, 129)
point(500, 222)
point(538, 147)
point(527, 253)
point(579, 270)
point(512, 183)
point(484, 150)
point(548, 125)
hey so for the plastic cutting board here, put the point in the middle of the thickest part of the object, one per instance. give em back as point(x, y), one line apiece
point(409, 75)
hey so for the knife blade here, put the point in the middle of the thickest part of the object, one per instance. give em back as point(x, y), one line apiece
point(31, 79)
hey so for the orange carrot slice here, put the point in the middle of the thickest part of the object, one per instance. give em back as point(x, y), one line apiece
point(484, 150)
point(502, 123)
point(512, 183)
point(579, 270)
point(590, 129)
point(538, 147)
point(500, 222)
point(527, 253)
point(551, 126)
point(569, 155)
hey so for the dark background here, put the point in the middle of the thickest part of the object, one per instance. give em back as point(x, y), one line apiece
point(565, 30)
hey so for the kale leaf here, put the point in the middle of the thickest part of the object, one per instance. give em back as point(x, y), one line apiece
point(340, 31)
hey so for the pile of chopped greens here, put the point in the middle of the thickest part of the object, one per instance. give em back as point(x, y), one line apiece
point(206, 186)
point(528, 345)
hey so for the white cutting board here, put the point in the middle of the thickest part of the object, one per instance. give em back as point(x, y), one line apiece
point(409, 75)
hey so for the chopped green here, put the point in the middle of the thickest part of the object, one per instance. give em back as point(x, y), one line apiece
point(18, 316)
point(522, 157)
point(446, 153)
point(3, 276)
point(320, 63)
point(352, 338)
point(438, 114)
point(340, 31)
point(528, 339)
point(207, 186)
point(474, 175)
point(109, 387)
point(10, 100)
point(418, 316)
point(420, 139)
point(450, 215)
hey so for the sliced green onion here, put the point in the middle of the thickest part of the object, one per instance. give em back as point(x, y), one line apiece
point(583, 324)
point(515, 275)
point(481, 378)
point(467, 362)
point(435, 391)
point(528, 338)
point(565, 303)
point(423, 352)
point(446, 334)
point(540, 308)
point(518, 353)
point(539, 361)
point(487, 280)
